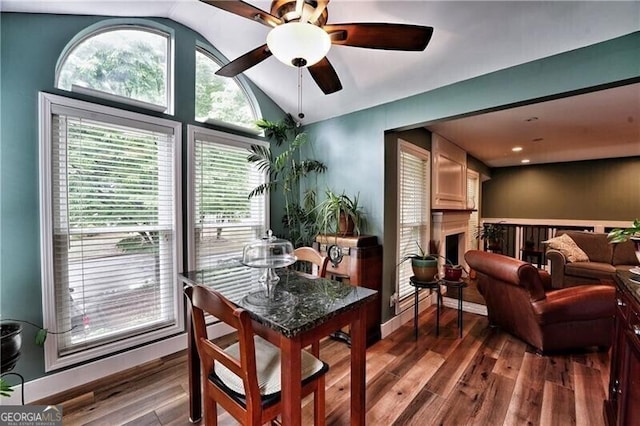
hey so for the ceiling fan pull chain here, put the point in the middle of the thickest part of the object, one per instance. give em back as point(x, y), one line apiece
point(300, 113)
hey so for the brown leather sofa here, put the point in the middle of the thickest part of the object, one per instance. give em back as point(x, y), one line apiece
point(605, 259)
point(520, 300)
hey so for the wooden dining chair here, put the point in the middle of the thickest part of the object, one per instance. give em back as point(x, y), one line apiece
point(244, 378)
point(311, 255)
point(320, 262)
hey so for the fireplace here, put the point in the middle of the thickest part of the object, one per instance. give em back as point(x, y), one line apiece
point(450, 228)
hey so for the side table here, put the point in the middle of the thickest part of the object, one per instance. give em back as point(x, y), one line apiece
point(531, 254)
point(431, 285)
point(460, 286)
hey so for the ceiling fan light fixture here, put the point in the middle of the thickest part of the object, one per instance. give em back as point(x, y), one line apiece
point(298, 44)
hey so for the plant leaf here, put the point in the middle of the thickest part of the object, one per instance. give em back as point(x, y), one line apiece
point(41, 336)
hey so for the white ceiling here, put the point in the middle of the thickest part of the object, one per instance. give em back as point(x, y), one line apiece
point(470, 38)
point(603, 124)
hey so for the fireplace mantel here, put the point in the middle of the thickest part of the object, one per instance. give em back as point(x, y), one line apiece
point(447, 222)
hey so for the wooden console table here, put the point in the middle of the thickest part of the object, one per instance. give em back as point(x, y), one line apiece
point(623, 404)
point(356, 260)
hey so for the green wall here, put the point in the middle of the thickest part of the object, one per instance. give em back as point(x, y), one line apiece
point(353, 145)
point(30, 46)
point(585, 190)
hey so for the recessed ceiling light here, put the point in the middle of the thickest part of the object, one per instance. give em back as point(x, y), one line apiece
point(531, 119)
point(516, 149)
point(525, 161)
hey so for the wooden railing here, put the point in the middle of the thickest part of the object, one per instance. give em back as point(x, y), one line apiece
point(523, 237)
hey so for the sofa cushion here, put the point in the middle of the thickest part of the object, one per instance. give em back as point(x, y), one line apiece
point(624, 253)
point(568, 247)
point(595, 245)
point(597, 270)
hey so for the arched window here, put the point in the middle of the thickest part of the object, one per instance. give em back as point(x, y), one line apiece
point(221, 100)
point(126, 63)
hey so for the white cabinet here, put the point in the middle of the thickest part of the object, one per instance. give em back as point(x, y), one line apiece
point(449, 175)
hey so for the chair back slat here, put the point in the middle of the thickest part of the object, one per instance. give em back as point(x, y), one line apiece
point(203, 300)
point(311, 255)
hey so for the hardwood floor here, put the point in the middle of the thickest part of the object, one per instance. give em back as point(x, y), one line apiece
point(486, 378)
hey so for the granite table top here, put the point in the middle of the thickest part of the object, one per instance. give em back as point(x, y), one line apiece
point(301, 302)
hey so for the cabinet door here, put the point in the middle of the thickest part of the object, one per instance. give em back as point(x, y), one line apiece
point(618, 353)
point(630, 392)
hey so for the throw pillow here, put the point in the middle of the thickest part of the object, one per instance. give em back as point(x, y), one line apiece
point(568, 247)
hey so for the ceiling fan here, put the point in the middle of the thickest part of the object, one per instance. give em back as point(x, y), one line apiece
point(301, 37)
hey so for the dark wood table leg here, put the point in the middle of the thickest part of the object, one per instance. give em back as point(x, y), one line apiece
point(358, 368)
point(193, 361)
point(291, 353)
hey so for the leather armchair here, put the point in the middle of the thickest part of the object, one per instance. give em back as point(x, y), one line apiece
point(520, 300)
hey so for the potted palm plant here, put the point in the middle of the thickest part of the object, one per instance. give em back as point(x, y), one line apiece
point(620, 235)
point(340, 214)
point(285, 172)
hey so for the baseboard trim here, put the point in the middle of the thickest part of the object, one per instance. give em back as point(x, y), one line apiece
point(405, 316)
point(52, 384)
point(474, 308)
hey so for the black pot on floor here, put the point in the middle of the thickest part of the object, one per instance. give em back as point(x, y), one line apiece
point(10, 344)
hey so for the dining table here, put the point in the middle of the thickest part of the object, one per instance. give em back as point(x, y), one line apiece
point(302, 310)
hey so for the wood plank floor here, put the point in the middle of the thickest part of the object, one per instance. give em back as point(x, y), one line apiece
point(486, 378)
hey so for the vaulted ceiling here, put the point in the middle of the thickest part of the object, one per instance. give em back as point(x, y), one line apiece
point(470, 38)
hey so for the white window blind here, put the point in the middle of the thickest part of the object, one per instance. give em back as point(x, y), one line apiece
point(222, 217)
point(414, 210)
point(110, 229)
point(473, 202)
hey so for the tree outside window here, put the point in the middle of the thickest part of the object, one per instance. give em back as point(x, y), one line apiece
point(220, 98)
point(131, 63)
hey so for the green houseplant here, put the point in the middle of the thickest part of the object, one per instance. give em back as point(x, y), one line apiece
point(620, 235)
point(340, 214)
point(285, 171)
point(423, 264)
point(11, 344)
point(493, 233)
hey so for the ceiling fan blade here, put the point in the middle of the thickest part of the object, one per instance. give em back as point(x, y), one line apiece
point(381, 35)
point(245, 62)
point(325, 76)
point(240, 8)
point(320, 7)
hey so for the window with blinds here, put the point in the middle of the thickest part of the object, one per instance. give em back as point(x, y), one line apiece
point(414, 211)
point(222, 219)
point(473, 202)
point(110, 240)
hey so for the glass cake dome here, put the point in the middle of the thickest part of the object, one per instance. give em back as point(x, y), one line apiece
point(268, 253)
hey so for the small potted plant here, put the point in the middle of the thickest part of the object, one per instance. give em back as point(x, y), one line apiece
point(620, 235)
point(340, 214)
point(423, 264)
point(493, 233)
point(11, 344)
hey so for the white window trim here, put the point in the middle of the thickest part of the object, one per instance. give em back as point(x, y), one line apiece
point(408, 302)
point(474, 220)
point(52, 360)
point(223, 138)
